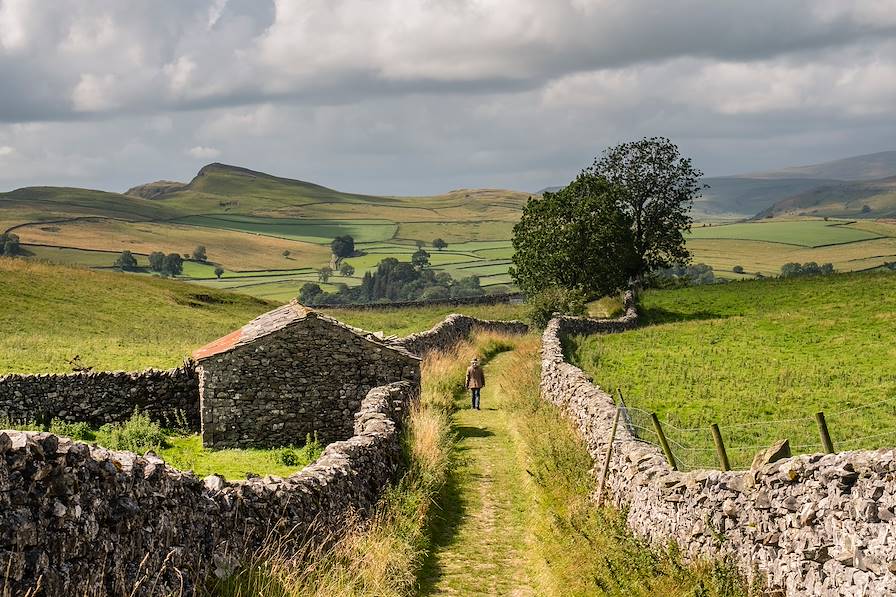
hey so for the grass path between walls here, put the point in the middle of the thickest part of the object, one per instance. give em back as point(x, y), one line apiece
point(517, 515)
point(493, 502)
point(482, 537)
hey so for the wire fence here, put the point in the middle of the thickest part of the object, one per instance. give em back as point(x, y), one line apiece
point(867, 426)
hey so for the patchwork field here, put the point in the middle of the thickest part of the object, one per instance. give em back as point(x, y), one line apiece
point(763, 247)
point(275, 232)
point(759, 358)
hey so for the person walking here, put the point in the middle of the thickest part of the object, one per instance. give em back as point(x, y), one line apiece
point(475, 381)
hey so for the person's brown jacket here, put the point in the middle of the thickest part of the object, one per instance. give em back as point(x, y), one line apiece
point(475, 377)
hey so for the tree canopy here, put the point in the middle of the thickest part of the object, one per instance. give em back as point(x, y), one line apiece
point(659, 189)
point(9, 244)
point(439, 244)
point(576, 238)
point(126, 261)
point(199, 253)
point(342, 247)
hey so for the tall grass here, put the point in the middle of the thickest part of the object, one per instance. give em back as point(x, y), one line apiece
point(382, 554)
point(589, 550)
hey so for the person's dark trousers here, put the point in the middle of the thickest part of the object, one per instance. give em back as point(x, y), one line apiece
point(475, 397)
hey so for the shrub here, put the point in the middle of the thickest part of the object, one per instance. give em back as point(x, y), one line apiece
point(544, 304)
point(78, 431)
point(738, 269)
point(294, 456)
point(138, 434)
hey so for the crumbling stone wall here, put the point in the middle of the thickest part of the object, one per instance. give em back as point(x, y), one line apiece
point(101, 397)
point(309, 377)
point(810, 525)
point(453, 329)
point(83, 520)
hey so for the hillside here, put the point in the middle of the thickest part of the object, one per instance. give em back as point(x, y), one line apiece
point(870, 166)
point(269, 233)
point(51, 314)
point(840, 199)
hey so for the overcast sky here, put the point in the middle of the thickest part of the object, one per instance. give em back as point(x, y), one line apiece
point(424, 96)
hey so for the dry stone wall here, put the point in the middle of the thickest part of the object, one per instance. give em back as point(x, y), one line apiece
point(82, 520)
point(77, 519)
point(102, 397)
point(454, 328)
point(810, 525)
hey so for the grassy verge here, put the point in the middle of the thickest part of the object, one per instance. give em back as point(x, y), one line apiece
point(382, 555)
point(585, 550)
point(760, 359)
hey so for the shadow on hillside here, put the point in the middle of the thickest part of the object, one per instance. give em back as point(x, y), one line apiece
point(658, 315)
point(451, 506)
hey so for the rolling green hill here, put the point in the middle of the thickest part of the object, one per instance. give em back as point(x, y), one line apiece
point(50, 314)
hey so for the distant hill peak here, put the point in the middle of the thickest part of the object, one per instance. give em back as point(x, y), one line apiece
point(219, 167)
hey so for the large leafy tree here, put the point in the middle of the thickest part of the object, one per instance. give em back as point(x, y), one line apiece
point(660, 187)
point(576, 238)
point(342, 247)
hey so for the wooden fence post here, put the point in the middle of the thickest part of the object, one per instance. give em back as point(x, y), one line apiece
point(606, 469)
point(823, 431)
point(663, 443)
point(720, 448)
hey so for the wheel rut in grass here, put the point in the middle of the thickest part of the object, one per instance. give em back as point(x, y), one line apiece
point(481, 539)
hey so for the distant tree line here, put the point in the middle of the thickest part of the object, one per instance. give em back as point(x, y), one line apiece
point(171, 264)
point(685, 275)
point(395, 280)
point(9, 244)
point(795, 270)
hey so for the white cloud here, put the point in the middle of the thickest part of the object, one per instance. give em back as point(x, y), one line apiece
point(13, 33)
point(94, 93)
point(203, 153)
point(6, 150)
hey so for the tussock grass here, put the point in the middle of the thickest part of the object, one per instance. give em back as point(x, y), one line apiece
point(382, 554)
point(586, 550)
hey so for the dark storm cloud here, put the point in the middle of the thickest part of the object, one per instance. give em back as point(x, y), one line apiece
point(404, 96)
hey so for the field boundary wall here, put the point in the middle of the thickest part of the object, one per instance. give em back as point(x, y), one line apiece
point(76, 519)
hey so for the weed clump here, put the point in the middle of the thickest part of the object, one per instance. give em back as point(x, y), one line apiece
point(138, 434)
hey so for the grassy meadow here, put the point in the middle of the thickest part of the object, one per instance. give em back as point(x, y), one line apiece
point(50, 314)
point(759, 358)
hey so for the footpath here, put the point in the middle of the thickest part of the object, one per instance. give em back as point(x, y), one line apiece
point(482, 541)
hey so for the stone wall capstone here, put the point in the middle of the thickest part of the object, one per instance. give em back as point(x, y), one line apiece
point(101, 397)
point(810, 525)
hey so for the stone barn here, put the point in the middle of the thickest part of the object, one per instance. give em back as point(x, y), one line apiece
point(291, 372)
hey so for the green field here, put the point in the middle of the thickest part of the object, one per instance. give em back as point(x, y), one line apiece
point(310, 230)
point(804, 233)
point(50, 314)
point(760, 359)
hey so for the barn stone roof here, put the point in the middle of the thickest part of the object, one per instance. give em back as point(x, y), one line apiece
point(276, 320)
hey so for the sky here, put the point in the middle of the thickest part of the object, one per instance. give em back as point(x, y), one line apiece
point(414, 97)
